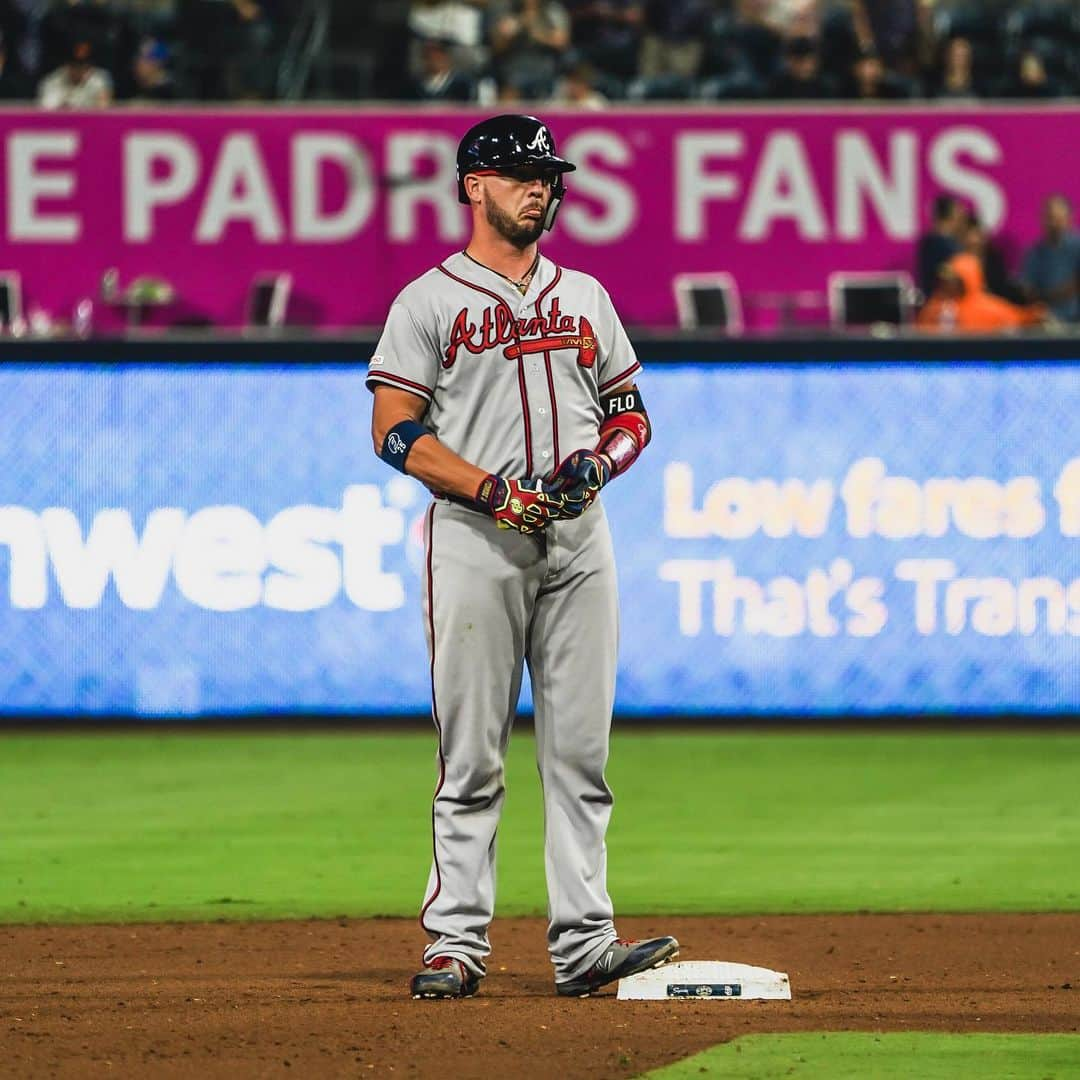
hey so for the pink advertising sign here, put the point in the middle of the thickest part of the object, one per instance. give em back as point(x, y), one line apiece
point(353, 203)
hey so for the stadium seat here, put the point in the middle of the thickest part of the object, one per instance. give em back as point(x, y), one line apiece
point(268, 301)
point(708, 301)
point(11, 315)
point(860, 300)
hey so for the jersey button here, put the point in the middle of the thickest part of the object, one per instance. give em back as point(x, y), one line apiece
point(542, 411)
point(546, 453)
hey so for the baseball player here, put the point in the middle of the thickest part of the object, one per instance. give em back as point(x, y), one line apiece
point(505, 384)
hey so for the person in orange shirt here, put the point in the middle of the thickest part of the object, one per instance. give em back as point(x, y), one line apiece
point(961, 302)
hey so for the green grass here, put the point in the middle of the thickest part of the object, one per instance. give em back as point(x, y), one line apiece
point(153, 825)
point(849, 1056)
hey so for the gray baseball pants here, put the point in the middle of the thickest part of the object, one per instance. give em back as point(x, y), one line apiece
point(494, 600)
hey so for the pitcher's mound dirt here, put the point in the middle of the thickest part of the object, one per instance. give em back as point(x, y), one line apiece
point(330, 998)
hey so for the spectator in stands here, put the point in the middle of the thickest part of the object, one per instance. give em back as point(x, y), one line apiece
point(1030, 78)
point(577, 90)
point(107, 29)
point(891, 28)
point(976, 240)
point(249, 35)
point(14, 24)
point(961, 302)
point(1052, 266)
point(941, 242)
point(528, 41)
point(956, 80)
point(753, 46)
point(230, 40)
point(153, 82)
point(799, 77)
point(869, 81)
point(508, 97)
point(13, 87)
point(786, 18)
point(607, 34)
point(674, 38)
point(76, 84)
point(65, 21)
point(456, 22)
point(440, 79)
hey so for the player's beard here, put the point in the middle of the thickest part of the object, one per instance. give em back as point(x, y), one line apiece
point(519, 233)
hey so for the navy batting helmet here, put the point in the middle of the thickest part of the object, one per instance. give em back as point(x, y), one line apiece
point(510, 142)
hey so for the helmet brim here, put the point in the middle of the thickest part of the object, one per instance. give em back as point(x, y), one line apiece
point(558, 163)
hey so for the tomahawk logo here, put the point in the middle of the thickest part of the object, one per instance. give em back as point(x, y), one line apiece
point(540, 141)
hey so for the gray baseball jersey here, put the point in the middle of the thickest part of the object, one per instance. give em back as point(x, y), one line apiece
point(513, 385)
point(512, 381)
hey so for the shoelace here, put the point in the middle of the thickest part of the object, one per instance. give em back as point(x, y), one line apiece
point(441, 962)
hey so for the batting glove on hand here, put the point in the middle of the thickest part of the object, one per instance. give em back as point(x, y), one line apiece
point(522, 505)
point(578, 480)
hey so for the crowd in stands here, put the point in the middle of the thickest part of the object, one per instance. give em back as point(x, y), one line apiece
point(962, 272)
point(589, 52)
point(90, 53)
point(583, 53)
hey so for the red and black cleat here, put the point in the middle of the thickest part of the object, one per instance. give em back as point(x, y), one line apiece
point(444, 977)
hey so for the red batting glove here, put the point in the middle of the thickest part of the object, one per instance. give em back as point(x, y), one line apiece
point(522, 505)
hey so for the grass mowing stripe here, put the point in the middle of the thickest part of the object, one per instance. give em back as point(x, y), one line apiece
point(202, 826)
point(195, 825)
point(857, 1055)
point(754, 823)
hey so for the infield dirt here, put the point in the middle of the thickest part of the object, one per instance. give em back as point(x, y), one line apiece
point(330, 998)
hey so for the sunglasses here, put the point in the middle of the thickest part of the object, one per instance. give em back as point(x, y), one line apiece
point(524, 174)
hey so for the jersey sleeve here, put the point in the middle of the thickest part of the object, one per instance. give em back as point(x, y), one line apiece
point(617, 362)
point(406, 356)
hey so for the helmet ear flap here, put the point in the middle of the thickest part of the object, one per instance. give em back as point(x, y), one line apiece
point(552, 210)
point(558, 190)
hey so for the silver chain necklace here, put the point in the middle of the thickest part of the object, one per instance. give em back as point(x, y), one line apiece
point(522, 286)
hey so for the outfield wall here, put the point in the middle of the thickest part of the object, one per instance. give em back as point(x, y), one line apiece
point(355, 201)
point(818, 528)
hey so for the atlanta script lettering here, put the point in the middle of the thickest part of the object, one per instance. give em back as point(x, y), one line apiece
point(541, 333)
